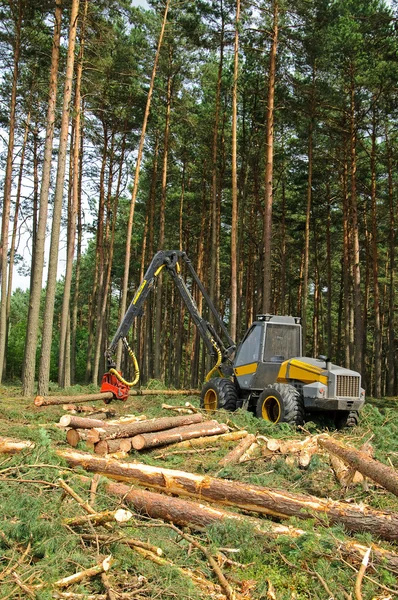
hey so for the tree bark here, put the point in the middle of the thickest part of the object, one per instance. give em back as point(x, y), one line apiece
point(308, 214)
point(178, 434)
point(267, 234)
point(248, 497)
point(150, 425)
point(7, 191)
point(377, 361)
point(44, 372)
point(375, 470)
point(214, 170)
point(356, 270)
point(123, 301)
point(390, 378)
point(234, 221)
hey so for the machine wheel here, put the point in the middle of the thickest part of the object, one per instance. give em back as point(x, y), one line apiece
point(281, 403)
point(346, 419)
point(219, 393)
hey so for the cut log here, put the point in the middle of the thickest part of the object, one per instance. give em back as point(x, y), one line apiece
point(250, 453)
point(108, 396)
point(12, 446)
point(74, 436)
point(232, 436)
point(110, 446)
point(186, 513)
point(345, 475)
point(105, 565)
point(120, 516)
point(77, 408)
point(178, 434)
point(79, 422)
point(375, 470)
point(245, 496)
point(131, 429)
point(235, 454)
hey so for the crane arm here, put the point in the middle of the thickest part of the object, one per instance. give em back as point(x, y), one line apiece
point(169, 259)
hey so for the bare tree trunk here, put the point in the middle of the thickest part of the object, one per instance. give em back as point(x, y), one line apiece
point(72, 214)
point(376, 294)
point(44, 371)
point(214, 170)
point(78, 262)
point(123, 302)
point(308, 215)
point(329, 272)
point(37, 267)
point(234, 222)
point(358, 321)
point(391, 300)
point(269, 164)
point(162, 216)
point(7, 191)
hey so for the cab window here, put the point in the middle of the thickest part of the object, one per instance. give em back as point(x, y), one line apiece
point(249, 351)
point(281, 342)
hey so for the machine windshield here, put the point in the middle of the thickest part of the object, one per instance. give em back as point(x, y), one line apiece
point(281, 342)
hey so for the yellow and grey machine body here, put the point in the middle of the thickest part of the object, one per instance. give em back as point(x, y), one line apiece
point(323, 385)
point(271, 352)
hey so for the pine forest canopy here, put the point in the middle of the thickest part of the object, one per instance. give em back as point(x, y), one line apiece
point(260, 137)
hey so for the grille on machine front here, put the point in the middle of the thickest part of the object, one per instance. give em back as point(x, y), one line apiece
point(347, 386)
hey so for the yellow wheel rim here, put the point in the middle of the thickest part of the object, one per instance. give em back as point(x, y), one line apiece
point(271, 409)
point(210, 401)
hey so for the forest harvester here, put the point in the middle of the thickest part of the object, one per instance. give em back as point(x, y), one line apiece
point(266, 373)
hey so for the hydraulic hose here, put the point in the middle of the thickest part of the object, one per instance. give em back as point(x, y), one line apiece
point(135, 364)
point(218, 363)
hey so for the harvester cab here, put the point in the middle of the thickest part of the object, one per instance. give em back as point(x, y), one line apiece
point(265, 374)
point(278, 384)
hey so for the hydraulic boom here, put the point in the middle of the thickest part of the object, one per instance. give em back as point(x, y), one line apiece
point(167, 259)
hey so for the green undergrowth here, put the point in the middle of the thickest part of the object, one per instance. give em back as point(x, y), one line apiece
point(36, 544)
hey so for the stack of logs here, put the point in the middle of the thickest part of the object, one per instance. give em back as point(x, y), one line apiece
point(137, 433)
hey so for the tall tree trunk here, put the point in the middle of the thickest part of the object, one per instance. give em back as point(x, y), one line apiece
point(37, 267)
point(329, 272)
point(44, 371)
point(358, 321)
point(123, 300)
point(162, 217)
point(72, 215)
point(214, 169)
point(7, 190)
point(269, 164)
point(308, 213)
point(346, 268)
point(391, 300)
point(234, 222)
point(77, 264)
point(376, 293)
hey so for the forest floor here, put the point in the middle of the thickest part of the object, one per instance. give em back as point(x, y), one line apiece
point(37, 547)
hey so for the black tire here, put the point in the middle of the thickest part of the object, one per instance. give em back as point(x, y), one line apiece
point(346, 418)
point(281, 403)
point(219, 393)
